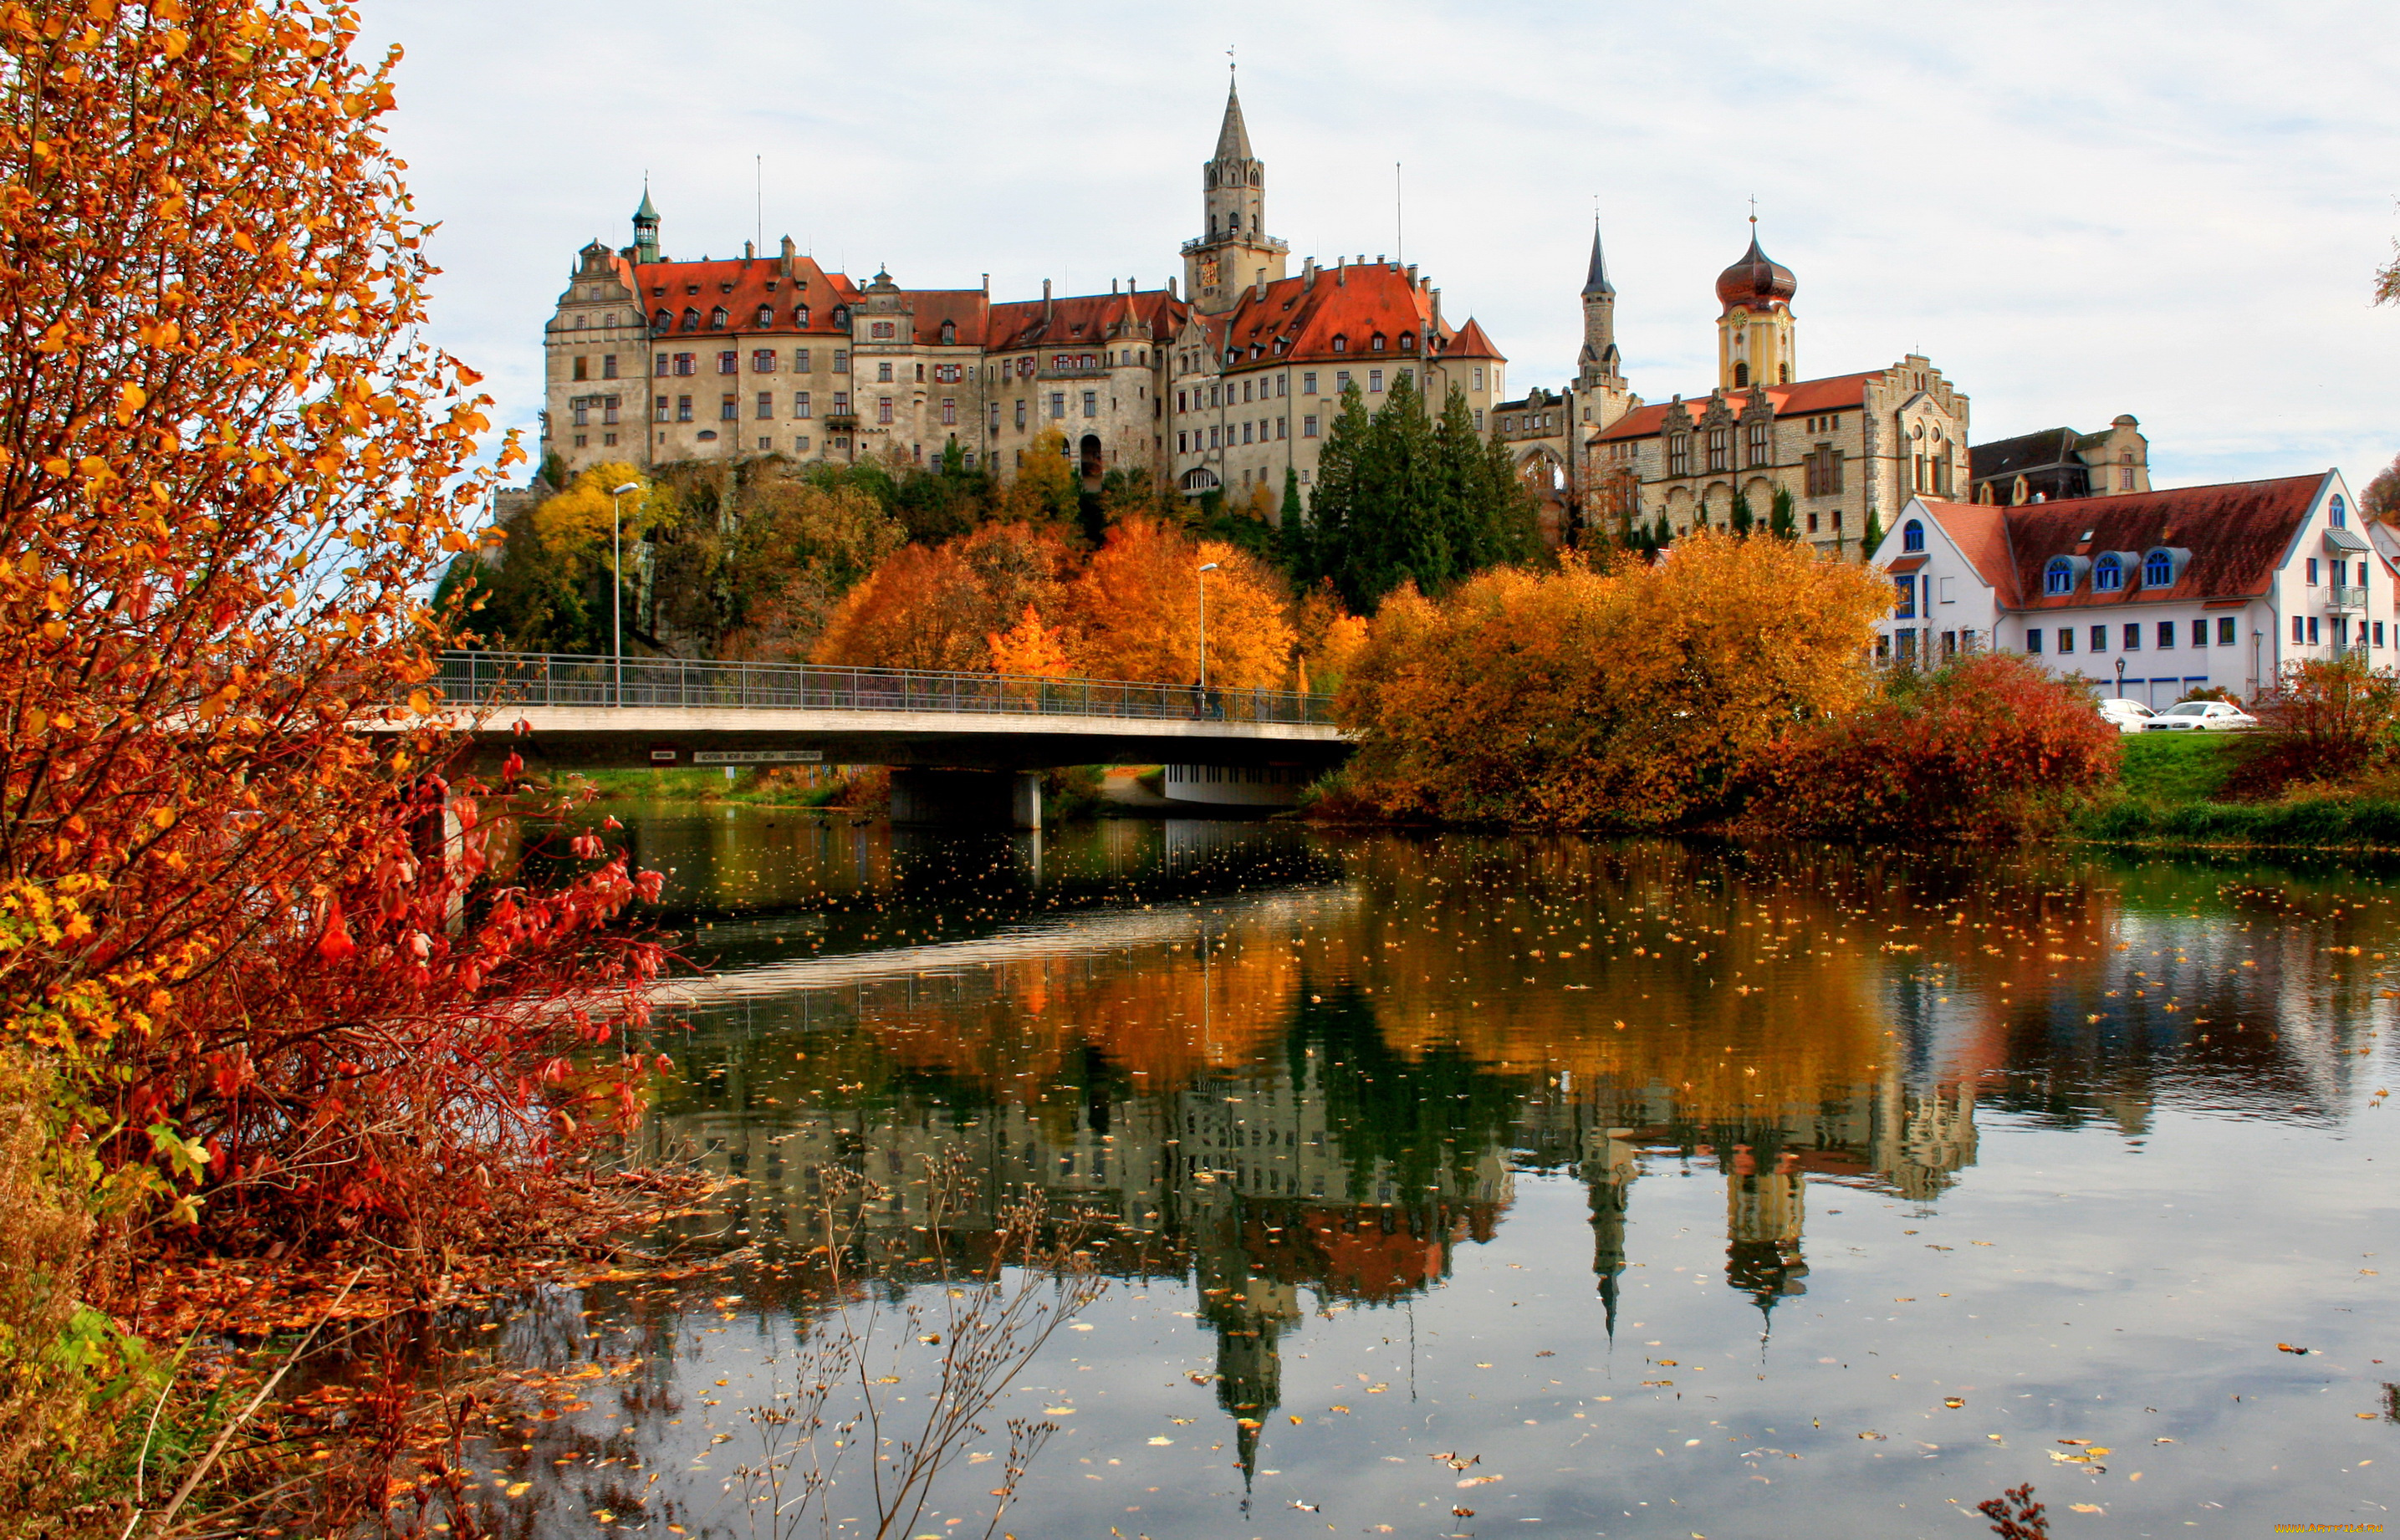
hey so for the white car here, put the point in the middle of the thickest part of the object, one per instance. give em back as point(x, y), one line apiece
point(2201, 716)
point(2125, 715)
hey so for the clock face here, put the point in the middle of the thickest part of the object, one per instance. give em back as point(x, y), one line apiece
point(1207, 272)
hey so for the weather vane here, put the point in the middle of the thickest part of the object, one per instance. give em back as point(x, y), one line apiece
point(1753, 210)
point(1230, 65)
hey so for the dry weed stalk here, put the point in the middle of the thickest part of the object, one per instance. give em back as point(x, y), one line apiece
point(986, 1325)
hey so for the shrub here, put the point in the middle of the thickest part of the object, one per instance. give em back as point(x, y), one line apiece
point(1991, 747)
point(1629, 697)
point(2329, 720)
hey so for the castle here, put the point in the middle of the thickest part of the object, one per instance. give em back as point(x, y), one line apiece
point(1230, 382)
point(1222, 386)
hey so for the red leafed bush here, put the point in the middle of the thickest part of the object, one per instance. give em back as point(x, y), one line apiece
point(2328, 720)
point(1991, 748)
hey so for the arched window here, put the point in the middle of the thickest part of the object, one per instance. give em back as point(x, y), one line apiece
point(2337, 513)
point(690, 319)
point(1740, 374)
point(2157, 570)
point(716, 319)
point(1783, 374)
point(766, 315)
point(2059, 576)
point(1912, 535)
point(2107, 574)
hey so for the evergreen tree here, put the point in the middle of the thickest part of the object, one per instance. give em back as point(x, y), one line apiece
point(1741, 520)
point(1781, 523)
point(1871, 538)
point(1288, 515)
point(1663, 534)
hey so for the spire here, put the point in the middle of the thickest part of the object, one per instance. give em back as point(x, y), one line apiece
point(647, 211)
point(1234, 139)
point(1596, 283)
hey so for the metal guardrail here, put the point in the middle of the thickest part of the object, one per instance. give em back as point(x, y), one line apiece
point(562, 680)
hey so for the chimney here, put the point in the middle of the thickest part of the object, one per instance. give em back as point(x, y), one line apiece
point(749, 252)
point(1045, 302)
point(986, 286)
point(1308, 273)
point(1342, 273)
point(1379, 260)
point(1412, 275)
point(790, 258)
point(1436, 327)
point(1113, 286)
point(1170, 285)
point(1260, 293)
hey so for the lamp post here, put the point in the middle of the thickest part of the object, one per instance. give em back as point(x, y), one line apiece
point(617, 591)
point(2121, 678)
point(1206, 568)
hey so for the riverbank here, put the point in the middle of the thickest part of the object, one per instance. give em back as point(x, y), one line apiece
point(2169, 793)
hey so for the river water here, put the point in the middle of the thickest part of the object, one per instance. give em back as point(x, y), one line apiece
point(1466, 1185)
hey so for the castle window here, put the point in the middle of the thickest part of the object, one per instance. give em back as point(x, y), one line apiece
point(800, 403)
point(765, 316)
point(2059, 576)
point(1740, 375)
point(718, 318)
point(1308, 426)
point(841, 317)
point(1912, 535)
point(2107, 574)
point(1760, 450)
point(1341, 344)
point(1308, 382)
point(883, 372)
point(691, 320)
point(728, 362)
point(1679, 454)
point(728, 409)
point(800, 315)
point(883, 330)
point(687, 364)
point(842, 361)
point(882, 409)
point(608, 405)
point(949, 410)
point(1377, 346)
point(1719, 449)
point(683, 409)
point(765, 407)
point(659, 407)
point(1375, 380)
point(841, 404)
point(1408, 342)
point(950, 331)
point(582, 367)
point(662, 322)
point(800, 365)
point(762, 360)
point(609, 366)
point(662, 363)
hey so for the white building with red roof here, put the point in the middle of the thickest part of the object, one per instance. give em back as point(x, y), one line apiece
point(2151, 595)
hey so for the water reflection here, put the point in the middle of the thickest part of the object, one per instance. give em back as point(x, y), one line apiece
point(1294, 1077)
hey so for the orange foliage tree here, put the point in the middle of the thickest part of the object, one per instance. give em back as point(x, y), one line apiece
point(1628, 698)
point(227, 468)
point(1138, 601)
point(937, 607)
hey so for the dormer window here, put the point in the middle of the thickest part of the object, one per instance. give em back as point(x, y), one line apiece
point(1408, 342)
point(1912, 535)
point(2163, 565)
point(659, 292)
point(2107, 574)
point(725, 288)
point(662, 322)
point(765, 316)
point(950, 331)
point(716, 319)
point(1376, 345)
point(1341, 344)
point(691, 288)
point(801, 314)
point(2061, 575)
point(690, 319)
point(841, 316)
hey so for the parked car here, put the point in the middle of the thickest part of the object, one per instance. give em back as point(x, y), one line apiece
point(2201, 716)
point(2124, 714)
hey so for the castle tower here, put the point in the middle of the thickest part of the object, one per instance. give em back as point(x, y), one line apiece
point(1236, 251)
point(645, 230)
point(1602, 368)
point(1755, 329)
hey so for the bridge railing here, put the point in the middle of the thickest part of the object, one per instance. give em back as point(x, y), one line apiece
point(476, 679)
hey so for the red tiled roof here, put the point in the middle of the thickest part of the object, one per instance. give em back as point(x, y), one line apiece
point(1981, 532)
point(1084, 319)
point(1354, 304)
point(810, 284)
point(967, 307)
point(2238, 534)
point(1470, 342)
point(1798, 399)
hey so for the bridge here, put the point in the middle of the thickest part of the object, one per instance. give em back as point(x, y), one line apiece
point(961, 745)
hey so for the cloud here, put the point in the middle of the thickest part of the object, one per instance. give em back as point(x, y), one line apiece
point(2075, 211)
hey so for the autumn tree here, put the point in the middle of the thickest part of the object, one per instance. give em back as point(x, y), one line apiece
point(1137, 602)
point(2380, 499)
point(937, 607)
point(1629, 699)
point(230, 470)
point(1044, 488)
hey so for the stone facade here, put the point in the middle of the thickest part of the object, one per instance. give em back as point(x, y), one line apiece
point(650, 361)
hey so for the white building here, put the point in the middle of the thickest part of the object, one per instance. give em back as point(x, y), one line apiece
point(2151, 594)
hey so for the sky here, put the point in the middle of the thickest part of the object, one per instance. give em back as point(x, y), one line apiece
point(2075, 210)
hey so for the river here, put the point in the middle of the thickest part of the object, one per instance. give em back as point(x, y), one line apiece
point(1459, 1185)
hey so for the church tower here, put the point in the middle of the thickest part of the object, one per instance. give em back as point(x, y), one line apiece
point(1600, 380)
point(646, 231)
point(1755, 329)
point(1236, 251)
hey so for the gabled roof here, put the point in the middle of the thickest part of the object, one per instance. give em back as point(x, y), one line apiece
point(1799, 399)
point(809, 284)
point(2042, 451)
point(1084, 319)
point(1354, 304)
point(967, 309)
point(1981, 532)
point(2239, 533)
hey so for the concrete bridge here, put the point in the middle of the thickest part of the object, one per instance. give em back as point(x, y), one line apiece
point(963, 748)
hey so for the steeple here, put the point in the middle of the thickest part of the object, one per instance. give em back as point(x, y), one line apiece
point(646, 228)
point(1755, 331)
point(1596, 281)
point(1234, 139)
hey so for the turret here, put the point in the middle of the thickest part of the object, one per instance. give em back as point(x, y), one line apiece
point(645, 230)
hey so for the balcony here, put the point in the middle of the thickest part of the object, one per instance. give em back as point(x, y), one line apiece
point(2345, 596)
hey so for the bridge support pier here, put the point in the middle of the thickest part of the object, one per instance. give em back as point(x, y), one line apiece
point(966, 797)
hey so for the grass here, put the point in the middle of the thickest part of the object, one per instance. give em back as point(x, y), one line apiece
point(2168, 784)
point(709, 786)
point(2173, 767)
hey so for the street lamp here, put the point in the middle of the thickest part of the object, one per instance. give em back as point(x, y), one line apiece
point(2121, 678)
point(617, 591)
point(1206, 568)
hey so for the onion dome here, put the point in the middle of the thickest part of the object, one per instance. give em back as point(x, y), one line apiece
point(1756, 280)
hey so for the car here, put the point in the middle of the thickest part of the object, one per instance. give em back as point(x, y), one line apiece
point(2201, 716)
point(2124, 714)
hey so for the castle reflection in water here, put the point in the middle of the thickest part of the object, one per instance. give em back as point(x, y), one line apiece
point(1271, 1087)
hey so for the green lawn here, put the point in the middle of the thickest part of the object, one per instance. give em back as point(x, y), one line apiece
point(2167, 768)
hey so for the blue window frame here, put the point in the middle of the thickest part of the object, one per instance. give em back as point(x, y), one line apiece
point(2067, 638)
point(2132, 636)
point(2312, 571)
point(2199, 633)
point(2166, 634)
point(2059, 576)
point(1907, 587)
point(2157, 571)
point(2339, 511)
point(1912, 535)
point(2107, 574)
point(2033, 640)
point(2099, 638)
point(2225, 631)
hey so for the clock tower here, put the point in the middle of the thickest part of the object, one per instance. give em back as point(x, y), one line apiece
point(1236, 251)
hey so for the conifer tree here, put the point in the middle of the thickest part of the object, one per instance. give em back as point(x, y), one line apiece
point(1741, 520)
point(1871, 537)
point(1781, 523)
point(1288, 515)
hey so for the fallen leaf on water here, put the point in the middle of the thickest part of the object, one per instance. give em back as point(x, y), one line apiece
point(1954, 1402)
point(1462, 1513)
point(1057, 1412)
point(2087, 1507)
point(1477, 1480)
point(2286, 1348)
point(518, 1489)
point(1162, 1441)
